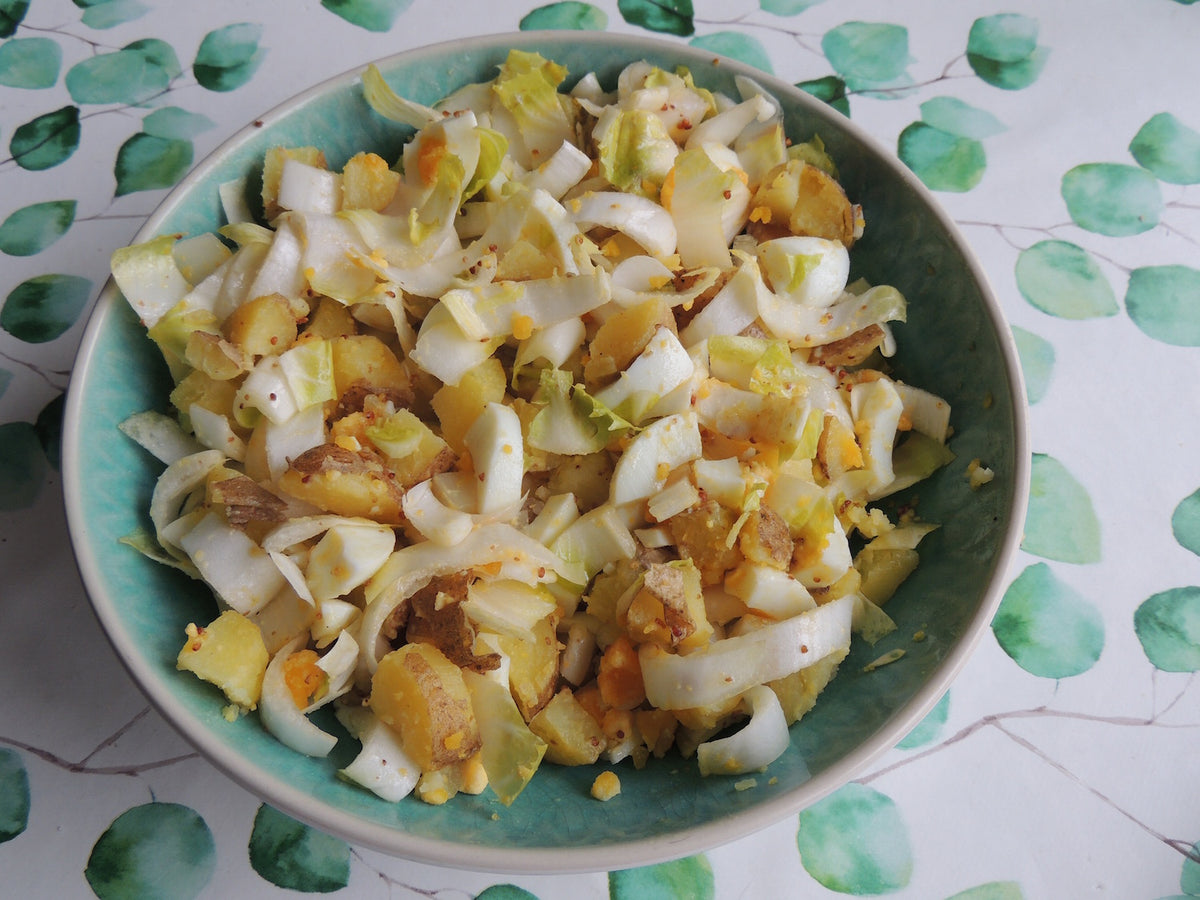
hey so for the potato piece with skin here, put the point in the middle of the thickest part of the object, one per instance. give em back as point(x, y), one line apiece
point(418, 692)
point(765, 539)
point(230, 653)
point(264, 326)
point(368, 182)
point(587, 477)
point(572, 736)
point(340, 481)
point(798, 198)
point(623, 336)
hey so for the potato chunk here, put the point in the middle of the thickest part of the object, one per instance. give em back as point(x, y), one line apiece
point(228, 652)
point(340, 481)
point(421, 694)
point(572, 736)
point(622, 337)
point(264, 326)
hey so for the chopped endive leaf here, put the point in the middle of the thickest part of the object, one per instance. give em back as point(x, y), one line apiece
point(381, 98)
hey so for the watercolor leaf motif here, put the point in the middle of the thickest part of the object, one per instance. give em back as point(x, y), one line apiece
point(1064, 280)
point(42, 308)
point(690, 877)
point(48, 428)
point(1113, 199)
point(927, 730)
point(1162, 301)
point(32, 63)
point(372, 15)
point(505, 892)
point(1004, 52)
point(14, 795)
point(1169, 149)
point(1168, 627)
point(228, 57)
point(786, 7)
point(855, 842)
point(1061, 523)
point(829, 89)
point(1185, 522)
point(294, 856)
point(569, 15)
point(31, 229)
point(665, 16)
point(102, 14)
point(12, 13)
point(154, 850)
point(1189, 877)
point(132, 75)
point(870, 57)
point(993, 890)
point(47, 140)
point(22, 465)
point(1037, 362)
point(1047, 628)
point(6, 378)
point(742, 47)
point(945, 148)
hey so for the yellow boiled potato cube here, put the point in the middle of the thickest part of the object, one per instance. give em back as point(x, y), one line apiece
point(229, 652)
point(572, 736)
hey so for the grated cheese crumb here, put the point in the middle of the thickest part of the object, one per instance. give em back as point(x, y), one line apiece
point(606, 786)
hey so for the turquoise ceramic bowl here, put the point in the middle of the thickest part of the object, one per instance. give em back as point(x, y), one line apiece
point(955, 343)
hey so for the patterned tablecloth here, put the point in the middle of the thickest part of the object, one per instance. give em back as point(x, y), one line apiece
point(1065, 140)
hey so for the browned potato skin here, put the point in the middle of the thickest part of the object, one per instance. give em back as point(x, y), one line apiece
point(422, 695)
point(340, 481)
point(765, 539)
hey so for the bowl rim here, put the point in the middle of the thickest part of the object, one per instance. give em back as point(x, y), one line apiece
point(543, 860)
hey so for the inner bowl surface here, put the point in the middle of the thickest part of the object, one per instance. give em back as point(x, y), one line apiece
point(955, 343)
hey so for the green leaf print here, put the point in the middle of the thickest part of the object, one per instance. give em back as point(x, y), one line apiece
point(1003, 51)
point(570, 15)
point(1169, 149)
point(43, 307)
point(690, 877)
point(31, 229)
point(1113, 199)
point(928, 729)
point(666, 16)
point(1037, 363)
point(1061, 523)
point(46, 141)
point(1168, 627)
point(1064, 280)
point(786, 7)
point(147, 162)
point(102, 14)
point(48, 428)
point(31, 63)
point(830, 89)
point(1189, 878)
point(173, 122)
point(505, 892)
point(868, 55)
point(154, 850)
point(132, 75)
point(22, 466)
point(957, 117)
point(993, 890)
point(742, 47)
point(1047, 628)
point(944, 161)
point(6, 378)
point(1185, 522)
point(14, 795)
point(373, 15)
point(293, 856)
point(1164, 302)
point(855, 842)
point(228, 57)
point(12, 12)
